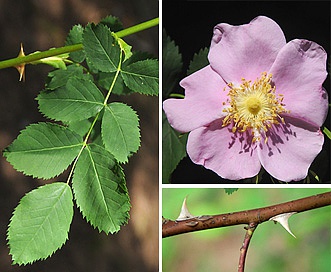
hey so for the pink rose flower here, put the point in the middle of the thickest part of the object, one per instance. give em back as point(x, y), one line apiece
point(259, 102)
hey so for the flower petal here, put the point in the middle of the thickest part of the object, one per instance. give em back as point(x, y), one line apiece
point(202, 103)
point(245, 51)
point(231, 156)
point(298, 73)
point(290, 149)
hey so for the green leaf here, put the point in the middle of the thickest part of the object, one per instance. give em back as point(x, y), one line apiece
point(142, 76)
point(43, 150)
point(58, 61)
point(311, 172)
point(100, 190)
point(75, 36)
point(327, 132)
point(120, 131)
point(230, 191)
point(106, 79)
point(171, 65)
point(124, 47)
point(173, 149)
point(78, 100)
point(112, 22)
point(40, 223)
point(59, 78)
point(199, 61)
point(81, 127)
point(101, 48)
point(137, 56)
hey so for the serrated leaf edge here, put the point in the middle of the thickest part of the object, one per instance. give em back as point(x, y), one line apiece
point(123, 71)
point(10, 222)
point(82, 212)
point(130, 152)
point(34, 176)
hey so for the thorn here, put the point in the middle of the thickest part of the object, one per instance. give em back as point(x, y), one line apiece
point(164, 220)
point(21, 68)
point(283, 220)
point(184, 213)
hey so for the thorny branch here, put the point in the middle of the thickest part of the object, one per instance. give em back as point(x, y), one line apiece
point(255, 216)
point(250, 217)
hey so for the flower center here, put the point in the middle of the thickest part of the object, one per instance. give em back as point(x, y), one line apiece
point(253, 106)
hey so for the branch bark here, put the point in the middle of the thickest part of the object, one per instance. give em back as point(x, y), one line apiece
point(254, 217)
point(243, 250)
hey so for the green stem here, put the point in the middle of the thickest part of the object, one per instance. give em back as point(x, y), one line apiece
point(175, 95)
point(114, 81)
point(72, 48)
point(137, 28)
point(40, 55)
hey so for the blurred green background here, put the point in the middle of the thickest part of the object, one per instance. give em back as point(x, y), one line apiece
point(272, 248)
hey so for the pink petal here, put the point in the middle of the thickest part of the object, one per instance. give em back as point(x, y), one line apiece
point(245, 51)
point(298, 73)
point(290, 149)
point(231, 156)
point(202, 103)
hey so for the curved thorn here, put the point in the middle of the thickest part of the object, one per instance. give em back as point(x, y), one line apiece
point(184, 213)
point(283, 220)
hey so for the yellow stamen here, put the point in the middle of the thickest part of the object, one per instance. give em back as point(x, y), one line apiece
point(254, 106)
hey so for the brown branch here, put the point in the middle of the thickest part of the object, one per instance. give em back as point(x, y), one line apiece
point(255, 216)
point(243, 250)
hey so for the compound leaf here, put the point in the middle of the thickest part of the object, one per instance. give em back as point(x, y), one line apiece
point(100, 190)
point(142, 76)
point(40, 223)
point(120, 131)
point(102, 50)
point(78, 100)
point(43, 150)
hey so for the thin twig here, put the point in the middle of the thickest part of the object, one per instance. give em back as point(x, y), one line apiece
point(243, 250)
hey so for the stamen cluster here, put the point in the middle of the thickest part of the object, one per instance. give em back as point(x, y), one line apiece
point(253, 106)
